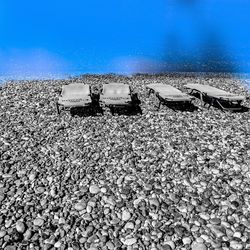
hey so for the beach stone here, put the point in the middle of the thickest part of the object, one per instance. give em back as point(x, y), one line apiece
point(129, 225)
point(32, 177)
point(236, 245)
point(246, 223)
point(215, 221)
point(211, 147)
point(10, 248)
point(83, 240)
point(6, 175)
point(129, 241)
point(43, 202)
point(88, 209)
point(57, 244)
point(8, 223)
point(94, 189)
point(154, 216)
point(20, 227)
point(53, 192)
point(205, 237)
point(166, 247)
point(103, 190)
point(200, 240)
point(237, 235)
point(154, 202)
point(27, 234)
point(2, 233)
point(215, 171)
point(195, 228)
point(1, 197)
point(62, 221)
point(186, 240)
point(40, 190)
point(6, 238)
point(169, 243)
point(198, 246)
point(80, 206)
point(225, 224)
point(38, 222)
point(204, 216)
point(229, 232)
point(110, 245)
point(217, 231)
point(126, 215)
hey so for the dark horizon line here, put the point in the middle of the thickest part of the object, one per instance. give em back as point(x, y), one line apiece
point(174, 73)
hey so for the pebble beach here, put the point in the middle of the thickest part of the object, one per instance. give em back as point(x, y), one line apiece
point(162, 180)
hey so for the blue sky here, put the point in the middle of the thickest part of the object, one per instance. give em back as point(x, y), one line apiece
point(123, 36)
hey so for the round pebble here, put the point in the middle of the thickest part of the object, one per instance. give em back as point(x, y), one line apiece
point(2, 233)
point(80, 206)
point(166, 247)
point(83, 240)
point(186, 240)
point(57, 244)
point(237, 235)
point(94, 189)
point(198, 246)
point(195, 228)
point(126, 215)
point(32, 177)
point(10, 248)
point(236, 245)
point(129, 241)
point(110, 245)
point(215, 221)
point(129, 225)
point(103, 190)
point(20, 227)
point(38, 222)
point(200, 240)
point(169, 243)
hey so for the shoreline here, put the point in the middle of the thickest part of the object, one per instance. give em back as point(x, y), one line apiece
point(242, 76)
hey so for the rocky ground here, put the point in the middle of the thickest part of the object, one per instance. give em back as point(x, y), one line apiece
point(161, 180)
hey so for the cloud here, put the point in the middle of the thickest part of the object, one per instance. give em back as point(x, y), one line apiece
point(33, 63)
point(131, 65)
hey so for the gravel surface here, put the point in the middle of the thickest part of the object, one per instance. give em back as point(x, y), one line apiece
point(161, 180)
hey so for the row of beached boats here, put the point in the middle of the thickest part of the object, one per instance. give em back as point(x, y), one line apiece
point(121, 95)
